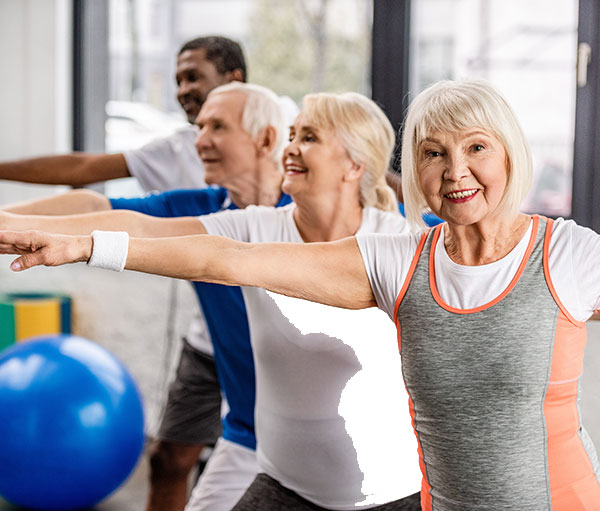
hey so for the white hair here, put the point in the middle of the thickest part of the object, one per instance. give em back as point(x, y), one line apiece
point(451, 106)
point(262, 108)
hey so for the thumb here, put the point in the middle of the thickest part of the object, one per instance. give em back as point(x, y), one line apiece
point(27, 261)
point(30, 260)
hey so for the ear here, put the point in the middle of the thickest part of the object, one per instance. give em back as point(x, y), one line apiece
point(354, 172)
point(266, 140)
point(235, 76)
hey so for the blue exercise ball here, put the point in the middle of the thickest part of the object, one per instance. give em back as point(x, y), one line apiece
point(71, 423)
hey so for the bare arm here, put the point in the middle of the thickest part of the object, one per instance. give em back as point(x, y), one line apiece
point(136, 224)
point(70, 203)
point(75, 169)
point(331, 273)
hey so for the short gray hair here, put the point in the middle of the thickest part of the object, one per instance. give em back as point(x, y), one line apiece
point(451, 106)
point(261, 109)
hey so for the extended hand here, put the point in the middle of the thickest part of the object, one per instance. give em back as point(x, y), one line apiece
point(38, 248)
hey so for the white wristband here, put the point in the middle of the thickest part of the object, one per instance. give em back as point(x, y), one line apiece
point(109, 250)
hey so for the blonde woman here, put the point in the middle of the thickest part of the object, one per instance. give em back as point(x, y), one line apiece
point(332, 427)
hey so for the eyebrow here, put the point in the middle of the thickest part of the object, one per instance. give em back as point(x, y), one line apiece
point(305, 127)
point(210, 120)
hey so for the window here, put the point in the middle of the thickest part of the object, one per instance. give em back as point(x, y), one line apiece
point(293, 47)
point(528, 50)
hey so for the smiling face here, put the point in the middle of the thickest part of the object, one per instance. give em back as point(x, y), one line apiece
point(226, 149)
point(463, 175)
point(314, 161)
point(196, 77)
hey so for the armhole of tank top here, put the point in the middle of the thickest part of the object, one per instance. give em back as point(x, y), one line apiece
point(547, 238)
point(433, 286)
point(411, 270)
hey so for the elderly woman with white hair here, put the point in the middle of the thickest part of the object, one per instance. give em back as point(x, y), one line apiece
point(332, 430)
point(490, 306)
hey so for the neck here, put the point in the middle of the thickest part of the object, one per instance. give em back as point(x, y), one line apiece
point(262, 188)
point(319, 218)
point(484, 242)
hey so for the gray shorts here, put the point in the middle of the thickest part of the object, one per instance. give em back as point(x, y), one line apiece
point(193, 410)
point(266, 493)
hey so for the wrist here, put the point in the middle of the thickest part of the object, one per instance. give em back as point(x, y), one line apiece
point(107, 249)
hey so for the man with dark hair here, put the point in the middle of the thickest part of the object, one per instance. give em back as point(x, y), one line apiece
point(225, 54)
point(164, 164)
point(192, 419)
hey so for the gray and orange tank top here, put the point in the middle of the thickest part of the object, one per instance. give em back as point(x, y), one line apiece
point(493, 391)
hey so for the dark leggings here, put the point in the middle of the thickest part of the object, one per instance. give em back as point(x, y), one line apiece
point(266, 494)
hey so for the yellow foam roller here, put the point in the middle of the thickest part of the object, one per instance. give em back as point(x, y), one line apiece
point(26, 315)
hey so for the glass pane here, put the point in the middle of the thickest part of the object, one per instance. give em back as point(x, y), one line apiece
point(526, 49)
point(293, 47)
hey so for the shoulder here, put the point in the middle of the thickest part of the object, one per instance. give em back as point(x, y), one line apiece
point(376, 220)
point(569, 238)
point(266, 213)
point(193, 202)
point(189, 132)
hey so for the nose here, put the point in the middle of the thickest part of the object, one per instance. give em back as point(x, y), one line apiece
point(182, 89)
point(456, 167)
point(291, 148)
point(202, 140)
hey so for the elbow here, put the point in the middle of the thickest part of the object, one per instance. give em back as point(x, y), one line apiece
point(89, 201)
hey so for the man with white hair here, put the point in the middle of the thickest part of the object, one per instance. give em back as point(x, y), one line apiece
point(242, 132)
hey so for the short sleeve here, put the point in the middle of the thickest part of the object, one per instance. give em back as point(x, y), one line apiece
point(387, 259)
point(230, 224)
point(175, 203)
point(153, 205)
point(168, 163)
point(574, 259)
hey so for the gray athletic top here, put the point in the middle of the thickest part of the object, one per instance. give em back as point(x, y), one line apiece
point(495, 430)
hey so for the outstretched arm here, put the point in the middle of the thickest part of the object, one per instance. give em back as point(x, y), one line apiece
point(70, 203)
point(75, 169)
point(136, 224)
point(331, 273)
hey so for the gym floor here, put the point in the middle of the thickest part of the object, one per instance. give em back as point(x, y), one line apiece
point(132, 495)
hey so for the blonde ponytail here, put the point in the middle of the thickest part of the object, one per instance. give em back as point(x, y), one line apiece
point(366, 134)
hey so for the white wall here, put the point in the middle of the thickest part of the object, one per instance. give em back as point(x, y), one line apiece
point(127, 313)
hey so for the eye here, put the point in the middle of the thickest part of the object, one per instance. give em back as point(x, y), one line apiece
point(309, 137)
point(477, 147)
point(432, 153)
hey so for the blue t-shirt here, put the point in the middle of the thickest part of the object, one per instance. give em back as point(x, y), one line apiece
point(223, 307)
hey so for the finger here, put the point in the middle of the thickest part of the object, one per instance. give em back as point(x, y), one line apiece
point(24, 241)
point(26, 261)
point(13, 249)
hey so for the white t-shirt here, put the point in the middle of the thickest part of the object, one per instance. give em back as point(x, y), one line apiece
point(166, 164)
point(172, 163)
point(573, 261)
point(332, 421)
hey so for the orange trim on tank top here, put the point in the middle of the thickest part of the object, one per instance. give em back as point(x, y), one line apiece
point(547, 235)
point(511, 285)
point(411, 270)
point(407, 280)
point(425, 486)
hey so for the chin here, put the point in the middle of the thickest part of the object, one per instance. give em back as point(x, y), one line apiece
point(213, 178)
